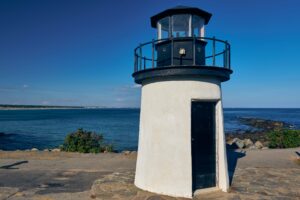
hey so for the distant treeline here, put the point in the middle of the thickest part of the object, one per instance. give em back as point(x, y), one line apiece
point(36, 106)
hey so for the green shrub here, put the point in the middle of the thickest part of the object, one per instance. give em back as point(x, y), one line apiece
point(284, 138)
point(85, 142)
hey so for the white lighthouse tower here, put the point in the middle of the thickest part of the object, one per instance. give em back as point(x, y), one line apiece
point(181, 136)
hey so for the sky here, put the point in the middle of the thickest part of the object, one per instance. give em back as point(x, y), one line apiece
point(80, 52)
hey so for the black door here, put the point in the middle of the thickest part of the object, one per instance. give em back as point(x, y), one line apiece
point(203, 145)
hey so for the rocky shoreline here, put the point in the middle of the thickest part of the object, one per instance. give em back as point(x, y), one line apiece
point(256, 137)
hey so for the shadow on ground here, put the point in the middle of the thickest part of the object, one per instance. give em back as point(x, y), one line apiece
point(12, 166)
point(232, 159)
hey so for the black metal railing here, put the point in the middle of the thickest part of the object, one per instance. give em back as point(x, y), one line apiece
point(217, 53)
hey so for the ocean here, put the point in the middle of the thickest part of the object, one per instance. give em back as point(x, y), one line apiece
point(26, 129)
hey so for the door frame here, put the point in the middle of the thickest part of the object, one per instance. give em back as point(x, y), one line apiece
point(216, 120)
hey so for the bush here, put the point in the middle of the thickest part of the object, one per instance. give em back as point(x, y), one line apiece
point(85, 142)
point(284, 138)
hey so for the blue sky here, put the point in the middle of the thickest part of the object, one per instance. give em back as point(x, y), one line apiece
point(70, 52)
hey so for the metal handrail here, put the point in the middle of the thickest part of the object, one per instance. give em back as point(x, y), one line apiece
point(140, 59)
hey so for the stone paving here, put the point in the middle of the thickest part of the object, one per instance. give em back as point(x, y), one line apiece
point(249, 183)
point(256, 175)
point(271, 177)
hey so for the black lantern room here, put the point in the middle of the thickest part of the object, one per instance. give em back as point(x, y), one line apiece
point(182, 24)
point(181, 47)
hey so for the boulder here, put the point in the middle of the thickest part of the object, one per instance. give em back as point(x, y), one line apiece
point(259, 145)
point(238, 142)
point(56, 150)
point(34, 149)
point(248, 143)
point(126, 152)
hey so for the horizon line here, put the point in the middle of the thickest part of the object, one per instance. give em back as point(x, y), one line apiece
point(122, 107)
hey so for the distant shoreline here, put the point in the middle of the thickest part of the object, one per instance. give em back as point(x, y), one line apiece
point(54, 108)
point(38, 107)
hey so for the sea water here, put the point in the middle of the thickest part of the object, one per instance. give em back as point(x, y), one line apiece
point(26, 129)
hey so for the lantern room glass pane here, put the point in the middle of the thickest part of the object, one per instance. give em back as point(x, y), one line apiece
point(163, 28)
point(197, 25)
point(181, 25)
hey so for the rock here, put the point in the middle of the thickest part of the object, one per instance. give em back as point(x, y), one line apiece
point(34, 149)
point(264, 148)
point(115, 184)
point(46, 150)
point(229, 141)
point(258, 145)
point(56, 150)
point(238, 142)
point(248, 143)
point(126, 152)
point(263, 124)
point(252, 147)
point(231, 144)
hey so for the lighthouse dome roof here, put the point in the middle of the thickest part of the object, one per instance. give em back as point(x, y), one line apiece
point(180, 10)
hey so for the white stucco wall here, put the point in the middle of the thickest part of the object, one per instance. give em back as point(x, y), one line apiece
point(222, 168)
point(164, 162)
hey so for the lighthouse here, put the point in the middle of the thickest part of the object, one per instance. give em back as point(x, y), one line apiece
point(181, 149)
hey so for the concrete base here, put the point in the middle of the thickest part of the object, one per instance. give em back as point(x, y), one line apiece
point(205, 191)
point(164, 163)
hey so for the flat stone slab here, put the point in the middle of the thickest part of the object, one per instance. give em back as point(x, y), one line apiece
point(7, 192)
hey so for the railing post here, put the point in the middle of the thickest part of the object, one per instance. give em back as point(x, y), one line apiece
point(172, 53)
point(224, 57)
point(152, 53)
point(214, 51)
point(135, 66)
point(194, 51)
point(225, 61)
point(229, 56)
point(144, 62)
point(141, 56)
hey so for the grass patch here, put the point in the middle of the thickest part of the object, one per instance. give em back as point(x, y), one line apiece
point(284, 138)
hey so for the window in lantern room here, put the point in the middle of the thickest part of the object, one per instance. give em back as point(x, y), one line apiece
point(197, 26)
point(181, 25)
point(163, 27)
